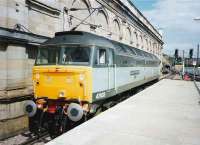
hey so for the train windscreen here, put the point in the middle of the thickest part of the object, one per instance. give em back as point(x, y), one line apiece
point(63, 55)
point(75, 55)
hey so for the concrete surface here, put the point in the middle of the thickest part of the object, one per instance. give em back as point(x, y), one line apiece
point(166, 113)
point(177, 77)
point(197, 84)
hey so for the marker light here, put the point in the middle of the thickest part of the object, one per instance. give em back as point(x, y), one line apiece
point(61, 94)
point(82, 77)
point(37, 76)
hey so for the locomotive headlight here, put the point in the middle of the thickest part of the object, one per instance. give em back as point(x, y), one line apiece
point(61, 94)
point(37, 76)
point(81, 77)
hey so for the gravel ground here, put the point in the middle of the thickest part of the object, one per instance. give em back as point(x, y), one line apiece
point(16, 140)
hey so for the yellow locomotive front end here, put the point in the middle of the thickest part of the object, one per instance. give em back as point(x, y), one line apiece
point(62, 88)
point(63, 82)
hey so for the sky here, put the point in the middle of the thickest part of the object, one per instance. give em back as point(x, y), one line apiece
point(176, 19)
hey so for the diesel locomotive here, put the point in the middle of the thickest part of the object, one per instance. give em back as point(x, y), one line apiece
point(76, 72)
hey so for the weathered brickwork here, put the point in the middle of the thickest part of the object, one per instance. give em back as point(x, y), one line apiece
point(13, 126)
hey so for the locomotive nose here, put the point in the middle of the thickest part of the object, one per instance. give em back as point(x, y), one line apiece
point(30, 108)
point(75, 112)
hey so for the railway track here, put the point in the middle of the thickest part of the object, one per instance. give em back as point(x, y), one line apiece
point(36, 139)
point(27, 138)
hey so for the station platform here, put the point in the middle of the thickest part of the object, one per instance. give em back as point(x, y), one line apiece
point(167, 113)
point(197, 84)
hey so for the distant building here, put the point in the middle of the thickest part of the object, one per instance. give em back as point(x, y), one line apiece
point(167, 60)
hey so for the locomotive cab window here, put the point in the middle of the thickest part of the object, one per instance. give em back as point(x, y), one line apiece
point(75, 55)
point(64, 55)
point(48, 56)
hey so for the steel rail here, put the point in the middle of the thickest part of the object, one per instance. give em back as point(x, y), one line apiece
point(35, 139)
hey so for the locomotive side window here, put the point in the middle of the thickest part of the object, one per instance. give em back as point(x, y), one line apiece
point(102, 56)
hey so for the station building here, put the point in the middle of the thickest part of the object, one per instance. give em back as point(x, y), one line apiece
point(25, 24)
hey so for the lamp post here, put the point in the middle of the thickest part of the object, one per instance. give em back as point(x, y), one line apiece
point(197, 63)
point(183, 63)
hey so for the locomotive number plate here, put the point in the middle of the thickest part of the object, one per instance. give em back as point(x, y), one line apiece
point(101, 95)
point(134, 72)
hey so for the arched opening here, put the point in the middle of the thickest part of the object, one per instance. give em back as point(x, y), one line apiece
point(102, 21)
point(157, 48)
point(128, 35)
point(79, 15)
point(115, 29)
point(141, 42)
point(146, 44)
point(153, 47)
point(135, 39)
point(150, 46)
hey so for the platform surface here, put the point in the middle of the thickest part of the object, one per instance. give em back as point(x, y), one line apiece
point(166, 113)
point(198, 86)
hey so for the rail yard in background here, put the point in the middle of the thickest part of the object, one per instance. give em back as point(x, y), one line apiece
point(92, 70)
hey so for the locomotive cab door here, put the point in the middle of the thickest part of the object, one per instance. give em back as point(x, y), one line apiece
point(103, 73)
point(111, 69)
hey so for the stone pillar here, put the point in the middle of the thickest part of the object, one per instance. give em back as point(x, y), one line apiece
point(16, 66)
point(3, 66)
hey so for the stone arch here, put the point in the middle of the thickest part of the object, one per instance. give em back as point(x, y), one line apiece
point(135, 38)
point(154, 48)
point(86, 2)
point(101, 19)
point(146, 44)
point(77, 16)
point(157, 48)
point(150, 45)
point(116, 29)
point(128, 34)
point(141, 41)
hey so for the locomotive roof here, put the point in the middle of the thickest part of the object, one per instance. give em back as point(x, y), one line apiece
point(85, 38)
point(78, 37)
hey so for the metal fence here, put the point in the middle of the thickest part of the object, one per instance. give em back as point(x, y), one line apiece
point(192, 70)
